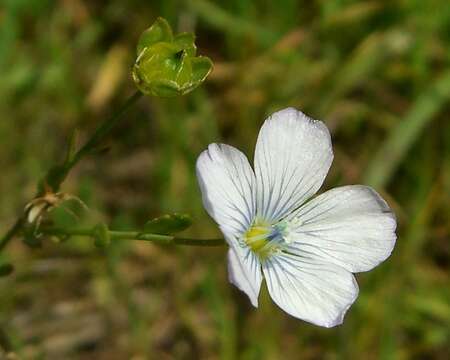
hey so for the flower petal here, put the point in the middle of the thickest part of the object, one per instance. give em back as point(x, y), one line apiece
point(227, 183)
point(244, 271)
point(292, 157)
point(308, 289)
point(350, 226)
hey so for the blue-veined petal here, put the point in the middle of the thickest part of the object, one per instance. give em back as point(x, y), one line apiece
point(244, 271)
point(292, 157)
point(308, 289)
point(350, 226)
point(227, 183)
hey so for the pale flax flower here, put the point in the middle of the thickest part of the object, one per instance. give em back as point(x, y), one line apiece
point(307, 248)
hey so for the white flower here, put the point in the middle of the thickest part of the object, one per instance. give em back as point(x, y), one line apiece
point(306, 249)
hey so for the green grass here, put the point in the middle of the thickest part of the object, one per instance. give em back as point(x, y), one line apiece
point(375, 71)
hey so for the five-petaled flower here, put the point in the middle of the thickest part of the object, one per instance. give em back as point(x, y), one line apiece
point(306, 249)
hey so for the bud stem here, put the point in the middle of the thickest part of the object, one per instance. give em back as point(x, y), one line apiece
point(103, 130)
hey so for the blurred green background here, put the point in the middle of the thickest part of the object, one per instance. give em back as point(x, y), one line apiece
point(377, 72)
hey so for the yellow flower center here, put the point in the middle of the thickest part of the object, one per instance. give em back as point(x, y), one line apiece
point(260, 238)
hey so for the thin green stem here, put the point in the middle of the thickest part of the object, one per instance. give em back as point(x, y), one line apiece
point(11, 232)
point(103, 130)
point(54, 181)
point(133, 235)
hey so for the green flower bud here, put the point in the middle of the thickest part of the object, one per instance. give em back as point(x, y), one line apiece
point(168, 224)
point(166, 65)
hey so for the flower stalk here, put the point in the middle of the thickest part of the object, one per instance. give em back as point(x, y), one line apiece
point(131, 235)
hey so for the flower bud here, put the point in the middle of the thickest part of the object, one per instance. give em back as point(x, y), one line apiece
point(166, 65)
point(168, 224)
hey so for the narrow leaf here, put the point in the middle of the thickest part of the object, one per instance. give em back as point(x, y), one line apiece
point(72, 147)
point(101, 235)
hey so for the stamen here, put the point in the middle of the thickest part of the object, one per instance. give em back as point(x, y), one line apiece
point(263, 239)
